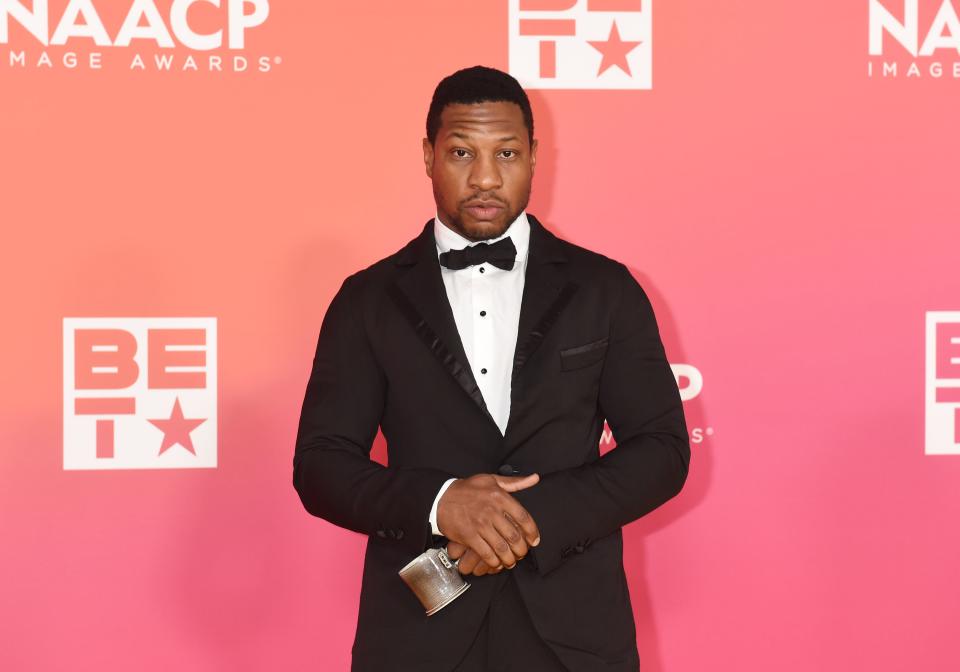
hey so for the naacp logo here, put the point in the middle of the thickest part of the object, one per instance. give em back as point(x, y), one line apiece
point(139, 393)
point(914, 40)
point(582, 44)
point(942, 394)
point(73, 35)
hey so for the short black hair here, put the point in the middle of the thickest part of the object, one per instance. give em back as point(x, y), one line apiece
point(478, 84)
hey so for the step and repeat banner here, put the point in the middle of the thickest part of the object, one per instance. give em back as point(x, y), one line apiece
point(184, 185)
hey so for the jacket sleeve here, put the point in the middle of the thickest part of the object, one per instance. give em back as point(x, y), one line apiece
point(639, 398)
point(344, 402)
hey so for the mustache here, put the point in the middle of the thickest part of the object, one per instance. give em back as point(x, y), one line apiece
point(477, 199)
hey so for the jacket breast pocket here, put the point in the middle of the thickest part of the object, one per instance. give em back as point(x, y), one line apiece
point(579, 356)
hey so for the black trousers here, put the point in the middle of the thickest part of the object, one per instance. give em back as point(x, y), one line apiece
point(507, 640)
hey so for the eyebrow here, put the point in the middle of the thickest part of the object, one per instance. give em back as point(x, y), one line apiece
point(464, 136)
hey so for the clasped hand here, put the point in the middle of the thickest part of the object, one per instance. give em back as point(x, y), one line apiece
point(487, 528)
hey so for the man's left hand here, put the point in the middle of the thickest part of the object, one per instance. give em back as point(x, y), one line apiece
point(470, 562)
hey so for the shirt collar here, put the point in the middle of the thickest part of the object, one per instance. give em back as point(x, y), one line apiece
point(448, 239)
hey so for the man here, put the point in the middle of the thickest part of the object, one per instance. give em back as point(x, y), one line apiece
point(490, 352)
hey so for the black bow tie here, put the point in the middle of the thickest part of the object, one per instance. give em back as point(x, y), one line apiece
point(501, 254)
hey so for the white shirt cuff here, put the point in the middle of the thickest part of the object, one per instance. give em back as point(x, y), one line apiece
point(436, 501)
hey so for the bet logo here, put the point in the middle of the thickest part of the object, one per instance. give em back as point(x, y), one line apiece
point(139, 393)
point(582, 44)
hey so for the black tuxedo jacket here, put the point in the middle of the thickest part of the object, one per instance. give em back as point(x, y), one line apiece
point(389, 355)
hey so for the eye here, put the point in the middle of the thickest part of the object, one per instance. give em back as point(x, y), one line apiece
point(508, 153)
point(461, 153)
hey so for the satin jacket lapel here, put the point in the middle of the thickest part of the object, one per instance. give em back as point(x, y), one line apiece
point(422, 298)
point(546, 293)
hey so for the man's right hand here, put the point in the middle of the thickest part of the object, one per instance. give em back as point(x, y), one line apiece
point(474, 512)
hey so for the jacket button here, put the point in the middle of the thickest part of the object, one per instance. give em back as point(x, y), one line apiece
point(579, 548)
point(382, 534)
point(400, 533)
point(508, 470)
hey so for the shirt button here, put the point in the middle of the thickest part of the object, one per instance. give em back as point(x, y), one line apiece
point(483, 370)
point(482, 313)
point(482, 269)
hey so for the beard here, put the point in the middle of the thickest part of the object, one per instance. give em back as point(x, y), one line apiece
point(475, 230)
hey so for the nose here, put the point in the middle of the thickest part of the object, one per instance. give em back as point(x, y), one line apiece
point(485, 174)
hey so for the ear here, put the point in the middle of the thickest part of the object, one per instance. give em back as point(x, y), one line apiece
point(533, 156)
point(428, 157)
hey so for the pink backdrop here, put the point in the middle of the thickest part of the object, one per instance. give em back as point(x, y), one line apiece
point(791, 218)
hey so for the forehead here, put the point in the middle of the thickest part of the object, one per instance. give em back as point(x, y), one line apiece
point(501, 117)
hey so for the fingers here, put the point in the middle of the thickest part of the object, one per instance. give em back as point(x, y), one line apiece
point(483, 568)
point(472, 564)
point(455, 550)
point(507, 542)
point(522, 519)
point(503, 554)
point(514, 483)
point(483, 550)
point(513, 536)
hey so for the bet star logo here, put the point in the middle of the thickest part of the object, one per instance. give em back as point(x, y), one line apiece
point(176, 429)
point(582, 44)
point(139, 393)
point(614, 51)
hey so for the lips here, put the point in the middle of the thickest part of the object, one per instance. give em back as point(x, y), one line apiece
point(484, 210)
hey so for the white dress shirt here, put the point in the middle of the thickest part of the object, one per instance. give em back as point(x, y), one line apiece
point(486, 307)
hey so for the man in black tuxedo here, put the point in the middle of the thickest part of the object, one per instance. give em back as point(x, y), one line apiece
point(490, 352)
